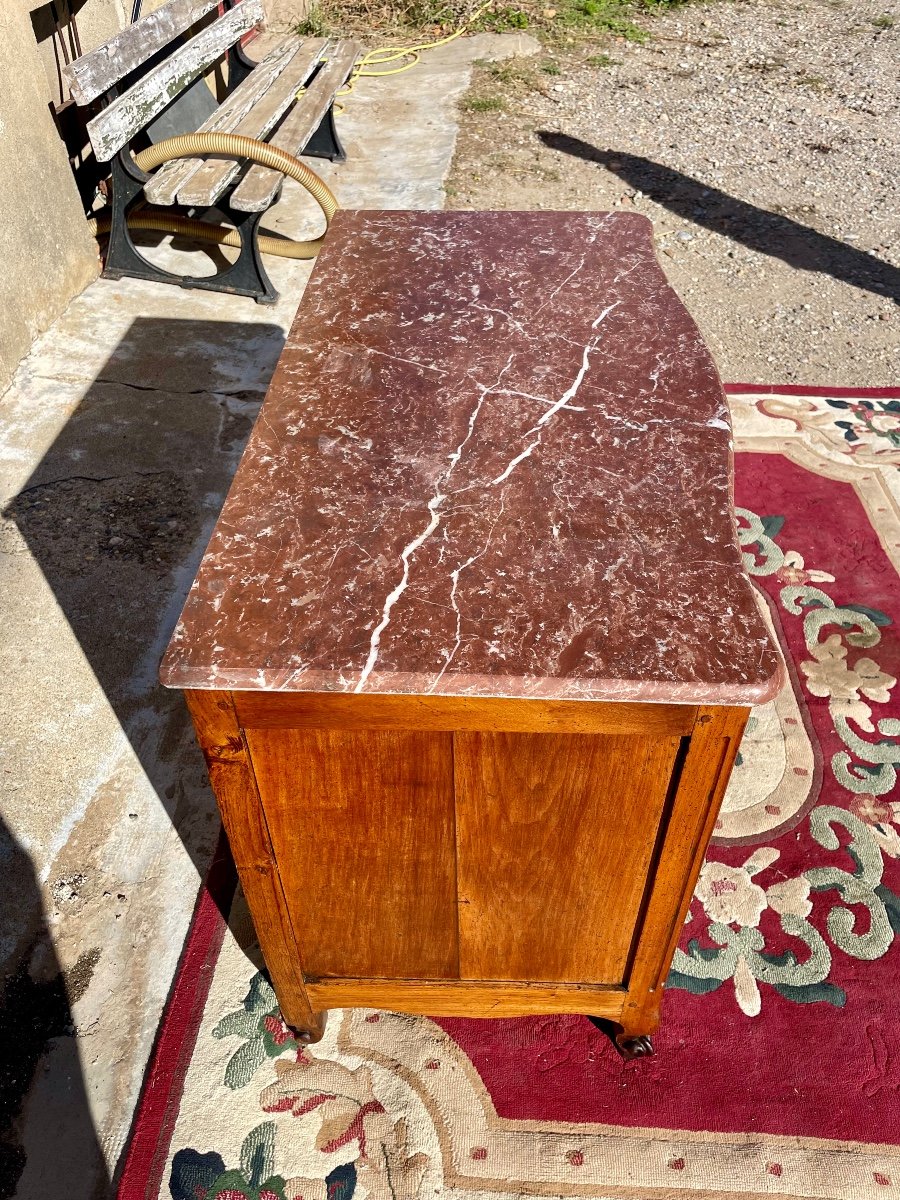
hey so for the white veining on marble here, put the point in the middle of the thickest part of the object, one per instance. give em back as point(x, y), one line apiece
point(455, 575)
point(440, 496)
point(434, 507)
point(569, 394)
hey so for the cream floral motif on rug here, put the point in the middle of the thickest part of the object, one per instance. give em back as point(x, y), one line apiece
point(775, 1072)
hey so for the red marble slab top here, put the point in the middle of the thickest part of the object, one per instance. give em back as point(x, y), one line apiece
point(495, 460)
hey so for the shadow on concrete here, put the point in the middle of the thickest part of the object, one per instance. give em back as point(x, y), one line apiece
point(765, 232)
point(117, 515)
point(36, 1021)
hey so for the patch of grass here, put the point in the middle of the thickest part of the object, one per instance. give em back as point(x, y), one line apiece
point(600, 16)
point(603, 60)
point(884, 21)
point(518, 76)
point(314, 24)
point(615, 18)
point(482, 104)
point(501, 20)
point(818, 83)
point(513, 71)
point(385, 22)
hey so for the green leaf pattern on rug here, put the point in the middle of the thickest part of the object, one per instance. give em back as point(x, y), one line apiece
point(858, 888)
point(196, 1176)
point(732, 899)
point(262, 1029)
point(877, 419)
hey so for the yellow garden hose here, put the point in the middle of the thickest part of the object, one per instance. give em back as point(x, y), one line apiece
point(385, 55)
point(388, 54)
point(230, 145)
point(199, 230)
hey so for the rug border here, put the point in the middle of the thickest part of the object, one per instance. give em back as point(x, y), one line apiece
point(147, 1150)
point(798, 389)
point(153, 1124)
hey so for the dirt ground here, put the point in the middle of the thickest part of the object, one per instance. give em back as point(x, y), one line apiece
point(761, 138)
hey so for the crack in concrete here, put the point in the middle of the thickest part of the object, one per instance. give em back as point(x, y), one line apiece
point(149, 387)
point(36, 487)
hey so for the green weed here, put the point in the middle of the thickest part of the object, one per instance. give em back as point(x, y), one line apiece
point(514, 71)
point(482, 104)
point(313, 24)
point(501, 20)
point(816, 82)
point(600, 16)
point(387, 21)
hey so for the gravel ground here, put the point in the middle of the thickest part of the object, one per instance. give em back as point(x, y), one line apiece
point(762, 140)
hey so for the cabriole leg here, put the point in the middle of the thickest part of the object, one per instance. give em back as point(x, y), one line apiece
point(311, 1031)
point(632, 1046)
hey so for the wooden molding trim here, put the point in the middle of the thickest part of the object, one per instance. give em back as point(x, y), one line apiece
point(317, 710)
point(461, 998)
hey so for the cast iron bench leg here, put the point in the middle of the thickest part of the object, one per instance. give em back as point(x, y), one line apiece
point(245, 277)
point(325, 142)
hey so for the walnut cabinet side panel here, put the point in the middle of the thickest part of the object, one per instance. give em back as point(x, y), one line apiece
point(362, 829)
point(555, 834)
point(231, 776)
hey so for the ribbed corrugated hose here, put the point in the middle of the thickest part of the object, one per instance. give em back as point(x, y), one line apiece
point(230, 145)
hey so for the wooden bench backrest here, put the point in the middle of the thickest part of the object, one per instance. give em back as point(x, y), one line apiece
point(97, 72)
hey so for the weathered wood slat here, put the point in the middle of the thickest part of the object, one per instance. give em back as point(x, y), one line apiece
point(114, 127)
point(257, 189)
point(95, 73)
point(207, 185)
point(163, 187)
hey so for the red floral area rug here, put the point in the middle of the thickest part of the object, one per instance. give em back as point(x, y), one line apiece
point(777, 1070)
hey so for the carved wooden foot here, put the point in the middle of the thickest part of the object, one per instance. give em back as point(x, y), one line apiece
point(633, 1046)
point(629, 1044)
point(312, 1031)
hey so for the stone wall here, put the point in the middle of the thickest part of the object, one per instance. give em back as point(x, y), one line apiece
point(48, 254)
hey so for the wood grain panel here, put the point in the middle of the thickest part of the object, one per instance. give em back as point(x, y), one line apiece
point(322, 710)
point(362, 827)
point(698, 798)
point(554, 839)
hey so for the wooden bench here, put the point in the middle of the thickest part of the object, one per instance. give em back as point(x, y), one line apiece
point(148, 84)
